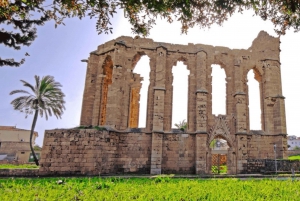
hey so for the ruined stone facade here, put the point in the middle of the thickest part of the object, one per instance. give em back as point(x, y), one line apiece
point(111, 100)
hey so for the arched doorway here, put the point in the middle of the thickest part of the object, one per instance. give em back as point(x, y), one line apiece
point(221, 159)
point(219, 155)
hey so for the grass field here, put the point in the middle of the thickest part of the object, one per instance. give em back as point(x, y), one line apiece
point(160, 188)
point(297, 157)
point(22, 166)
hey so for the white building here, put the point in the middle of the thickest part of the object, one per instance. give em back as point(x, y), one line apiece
point(293, 142)
point(15, 143)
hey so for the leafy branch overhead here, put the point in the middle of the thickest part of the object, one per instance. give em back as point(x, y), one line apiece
point(24, 15)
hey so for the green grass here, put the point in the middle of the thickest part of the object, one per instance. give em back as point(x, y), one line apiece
point(222, 169)
point(297, 157)
point(22, 166)
point(160, 188)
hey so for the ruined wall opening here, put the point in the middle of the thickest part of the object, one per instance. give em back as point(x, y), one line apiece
point(140, 95)
point(219, 154)
point(218, 90)
point(180, 93)
point(254, 99)
point(107, 80)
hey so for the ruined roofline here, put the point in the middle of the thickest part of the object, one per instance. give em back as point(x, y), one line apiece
point(14, 128)
point(263, 44)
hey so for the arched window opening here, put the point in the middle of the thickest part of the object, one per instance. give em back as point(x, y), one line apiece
point(180, 95)
point(107, 71)
point(218, 90)
point(143, 69)
point(253, 78)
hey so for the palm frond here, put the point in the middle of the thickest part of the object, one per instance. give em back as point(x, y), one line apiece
point(48, 98)
point(18, 91)
point(26, 84)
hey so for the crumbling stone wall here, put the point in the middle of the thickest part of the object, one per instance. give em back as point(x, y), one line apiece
point(178, 154)
point(95, 152)
point(111, 99)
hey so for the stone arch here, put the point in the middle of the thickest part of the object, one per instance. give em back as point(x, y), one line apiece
point(136, 58)
point(222, 137)
point(216, 80)
point(221, 129)
point(135, 92)
point(259, 78)
point(184, 59)
point(258, 72)
point(170, 91)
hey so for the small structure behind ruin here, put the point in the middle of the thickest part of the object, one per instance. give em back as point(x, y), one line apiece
point(111, 101)
point(15, 145)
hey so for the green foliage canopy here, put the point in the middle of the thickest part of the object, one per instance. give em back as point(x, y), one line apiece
point(142, 14)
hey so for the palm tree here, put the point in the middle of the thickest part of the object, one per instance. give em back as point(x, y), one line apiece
point(182, 125)
point(46, 98)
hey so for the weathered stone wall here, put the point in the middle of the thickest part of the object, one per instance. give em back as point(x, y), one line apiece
point(259, 146)
point(111, 99)
point(293, 152)
point(19, 172)
point(103, 152)
point(114, 102)
point(15, 162)
point(268, 166)
point(178, 154)
point(95, 152)
point(13, 147)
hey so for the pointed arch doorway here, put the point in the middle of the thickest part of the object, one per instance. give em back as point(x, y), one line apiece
point(219, 154)
point(220, 145)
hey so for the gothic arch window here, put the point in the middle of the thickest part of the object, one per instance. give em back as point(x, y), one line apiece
point(180, 93)
point(254, 99)
point(218, 90)
point(139, 91)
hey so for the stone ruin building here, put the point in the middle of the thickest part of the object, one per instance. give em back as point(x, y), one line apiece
point(111, 101)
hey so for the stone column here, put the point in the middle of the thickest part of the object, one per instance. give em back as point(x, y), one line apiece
point(201, 152)
point(240, 99)
point(242, 154)
point(274, 107)
point(101, 90)
point(125, 103)
point(231, 161)
point(156, 153)
point(119, 91)
point(209, 160)
point(268, 98)
point(201, 93)
point(89, 90)
point(241, 112)
point(159, 90)
point(191, 117)
point(150, 100)
point(168, 95)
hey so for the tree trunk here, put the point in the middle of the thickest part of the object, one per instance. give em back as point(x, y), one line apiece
point(31, 134)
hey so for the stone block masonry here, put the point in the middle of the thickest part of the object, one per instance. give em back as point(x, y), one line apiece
point(92, 152)
point(111, 99)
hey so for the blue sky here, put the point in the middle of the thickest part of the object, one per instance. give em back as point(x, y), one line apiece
point(58, 52)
